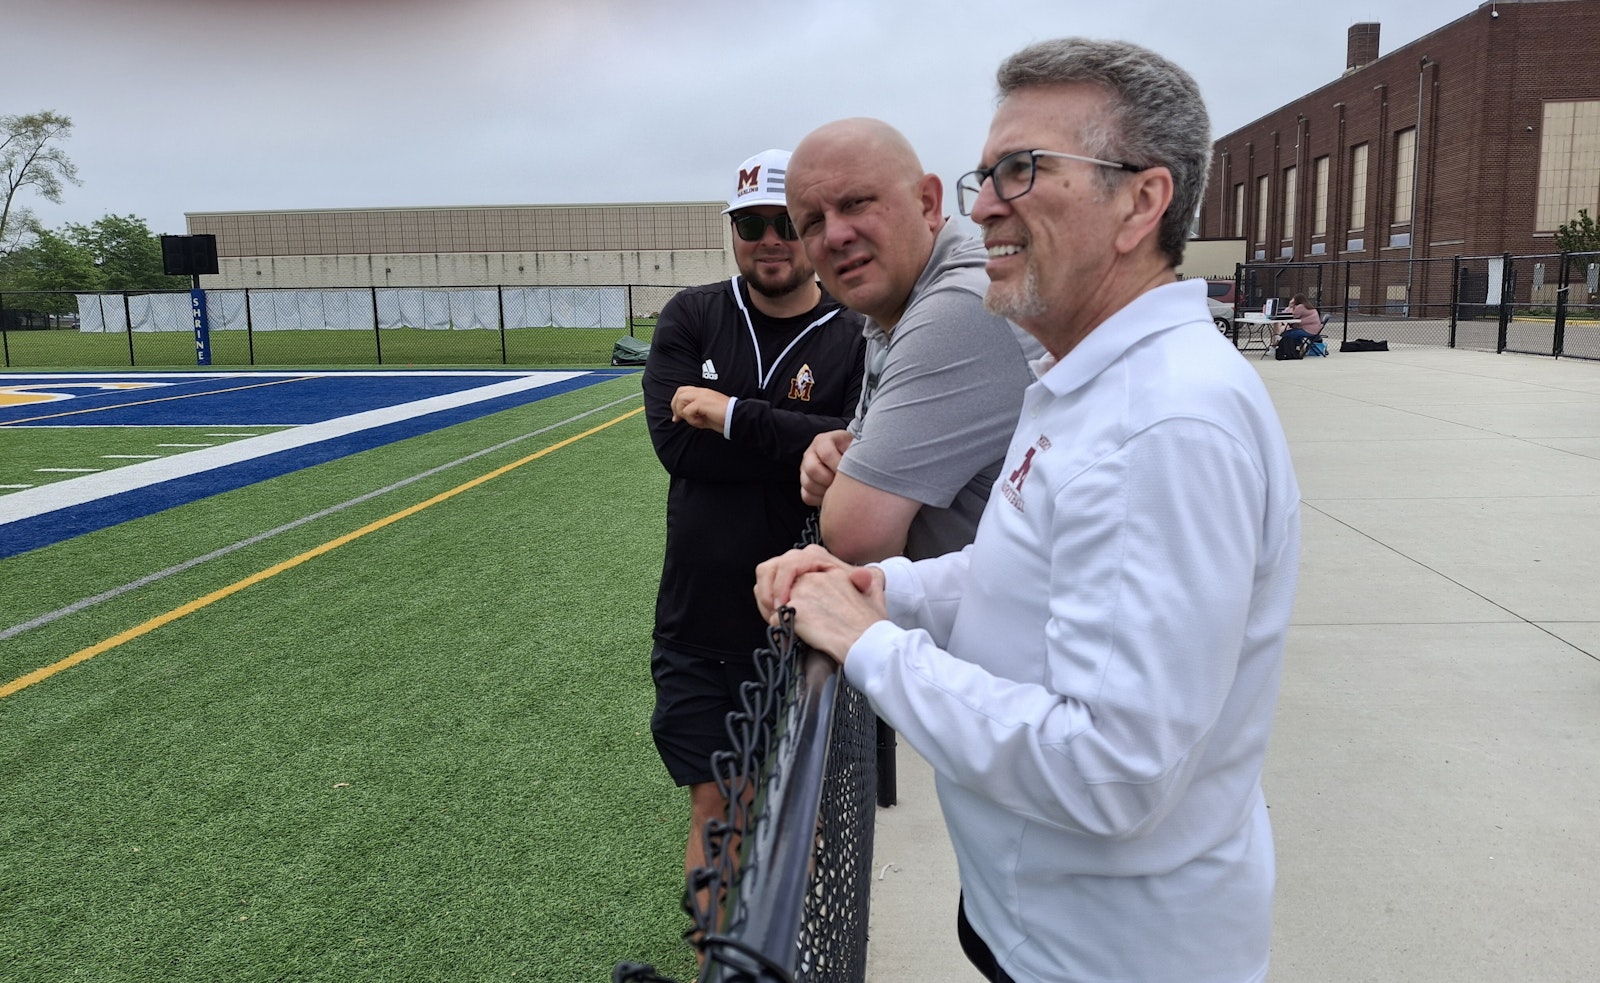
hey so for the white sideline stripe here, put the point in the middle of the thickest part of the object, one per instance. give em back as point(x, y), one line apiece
point(233, 435)
point(88, 602)
point(135, 457)
point(66, 471)
point(15, 486)
point(77, 491)
point(186, 445)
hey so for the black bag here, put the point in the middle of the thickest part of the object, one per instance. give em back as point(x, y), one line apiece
point(629, 351)
point(1364, 345)
point(1291, 348)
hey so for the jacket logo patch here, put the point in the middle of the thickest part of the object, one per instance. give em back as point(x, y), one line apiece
point(708, 371)
point(800, 385)
point(1011, 488)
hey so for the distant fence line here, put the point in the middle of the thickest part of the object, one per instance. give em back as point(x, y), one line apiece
point(1534, 305)
point(344, 309)
point(334, 325)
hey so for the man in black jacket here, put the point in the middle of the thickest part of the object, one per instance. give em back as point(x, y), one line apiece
point(741, 375)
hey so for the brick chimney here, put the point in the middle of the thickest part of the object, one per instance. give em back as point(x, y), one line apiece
point(1362, 47)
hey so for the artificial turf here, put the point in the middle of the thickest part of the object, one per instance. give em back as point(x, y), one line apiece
point(390, 346)
point(423, 755)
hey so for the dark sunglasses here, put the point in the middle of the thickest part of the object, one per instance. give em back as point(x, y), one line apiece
point(751, 228)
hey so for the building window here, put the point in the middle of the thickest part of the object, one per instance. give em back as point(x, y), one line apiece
point(1569, 164)
point(1261, 210)
point(1405, 174)
point(1358, 187)
point(1319, 182)
point(1289, 202)
point(1238, 211)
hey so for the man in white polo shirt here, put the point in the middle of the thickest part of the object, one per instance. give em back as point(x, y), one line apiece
point(1093, 680)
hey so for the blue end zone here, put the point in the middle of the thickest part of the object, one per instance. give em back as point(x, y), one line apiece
point(320, 404)
point(240, 400)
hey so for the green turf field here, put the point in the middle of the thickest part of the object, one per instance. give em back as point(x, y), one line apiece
point(419, 754)
point(70, 451)
point(392, 346)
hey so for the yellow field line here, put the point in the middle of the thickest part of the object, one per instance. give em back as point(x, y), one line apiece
point(84, 655)
point(162, 399)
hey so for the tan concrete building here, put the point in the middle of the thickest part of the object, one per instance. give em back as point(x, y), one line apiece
point(666, 243)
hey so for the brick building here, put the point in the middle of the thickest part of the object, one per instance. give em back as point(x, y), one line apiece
point(1478, 139)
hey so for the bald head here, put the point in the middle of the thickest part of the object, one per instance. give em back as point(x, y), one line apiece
point(886, 146)
point(867, 213)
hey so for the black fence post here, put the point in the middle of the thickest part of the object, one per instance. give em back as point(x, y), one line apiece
point(888, 781)
point(1506, 295)
point(5, 337)
point(249, 328)
point(377, 336)
point(127, 321)
point(1558, 343)
point(1344, 306)
point(1238, 298)
point(1455, 296)
point(500, 304)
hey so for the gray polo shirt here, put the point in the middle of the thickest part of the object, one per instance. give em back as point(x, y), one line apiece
point(940, 399)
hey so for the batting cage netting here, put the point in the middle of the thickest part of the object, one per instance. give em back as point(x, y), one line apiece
point(784, 895)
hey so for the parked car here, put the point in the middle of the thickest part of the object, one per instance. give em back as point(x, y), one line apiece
point(1220, 297)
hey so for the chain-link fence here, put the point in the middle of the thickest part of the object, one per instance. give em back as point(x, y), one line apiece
point(501, 325)
point(1535, 305)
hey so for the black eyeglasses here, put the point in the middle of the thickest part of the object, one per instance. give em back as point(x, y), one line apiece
point(752, 227)
point(1013, 175)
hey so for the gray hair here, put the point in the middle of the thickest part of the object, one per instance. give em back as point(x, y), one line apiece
point(1156, 118)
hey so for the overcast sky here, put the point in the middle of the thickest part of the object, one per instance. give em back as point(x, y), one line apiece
point(231, 105)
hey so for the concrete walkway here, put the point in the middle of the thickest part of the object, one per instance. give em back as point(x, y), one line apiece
point(1434, 777)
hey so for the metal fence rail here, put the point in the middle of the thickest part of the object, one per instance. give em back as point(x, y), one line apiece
point(1534, 305)
point(785, 892)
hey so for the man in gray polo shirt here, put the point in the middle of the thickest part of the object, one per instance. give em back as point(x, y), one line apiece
point(944, 379)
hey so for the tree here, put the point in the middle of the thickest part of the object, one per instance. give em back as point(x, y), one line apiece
point(116, 252)
point(51, 262)
point(127, 255)
point(1581, 235)
point(30, 156)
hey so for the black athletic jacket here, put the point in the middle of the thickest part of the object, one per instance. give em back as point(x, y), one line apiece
point(733, 502)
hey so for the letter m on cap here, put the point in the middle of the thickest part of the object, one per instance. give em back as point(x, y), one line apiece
point(749, 180)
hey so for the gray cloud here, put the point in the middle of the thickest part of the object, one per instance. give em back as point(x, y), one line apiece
point(182, 105)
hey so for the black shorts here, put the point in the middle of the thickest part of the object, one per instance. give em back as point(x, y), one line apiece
point(694, 696)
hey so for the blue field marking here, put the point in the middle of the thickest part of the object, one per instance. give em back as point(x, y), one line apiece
point(272, 399)
point(52, 513)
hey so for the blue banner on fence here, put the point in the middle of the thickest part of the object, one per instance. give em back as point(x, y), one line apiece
point(202, 327)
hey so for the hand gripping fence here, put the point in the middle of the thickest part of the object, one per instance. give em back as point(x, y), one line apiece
point(784, 894)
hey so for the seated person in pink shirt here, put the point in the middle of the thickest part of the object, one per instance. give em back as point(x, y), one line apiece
point(1310, 326)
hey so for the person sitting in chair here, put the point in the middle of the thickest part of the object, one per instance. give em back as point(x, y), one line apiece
point(1310, 322)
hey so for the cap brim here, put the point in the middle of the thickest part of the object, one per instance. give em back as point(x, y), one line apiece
point(755, 201)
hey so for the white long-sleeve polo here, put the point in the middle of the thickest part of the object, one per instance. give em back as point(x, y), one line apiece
point(1094, 679)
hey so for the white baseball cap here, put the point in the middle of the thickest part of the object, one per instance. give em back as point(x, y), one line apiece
point(760, 181)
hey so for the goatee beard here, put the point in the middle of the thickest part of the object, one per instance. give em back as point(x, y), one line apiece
point(1018, 302)
point(779, 290)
